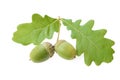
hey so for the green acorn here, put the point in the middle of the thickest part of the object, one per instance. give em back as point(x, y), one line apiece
point(65, 50)
point(42, 52)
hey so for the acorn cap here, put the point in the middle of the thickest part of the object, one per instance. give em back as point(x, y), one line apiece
point(49, 47)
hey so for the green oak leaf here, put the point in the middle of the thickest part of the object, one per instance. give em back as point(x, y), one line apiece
point(90, 42)
point(36, 31)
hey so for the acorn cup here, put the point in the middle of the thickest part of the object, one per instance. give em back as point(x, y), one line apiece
point(65, 50)
point(42, 52)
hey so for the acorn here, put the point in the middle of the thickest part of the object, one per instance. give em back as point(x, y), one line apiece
point(42, 52)
point(65, 49)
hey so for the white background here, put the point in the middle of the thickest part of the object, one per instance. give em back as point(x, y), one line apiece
point(14, 58)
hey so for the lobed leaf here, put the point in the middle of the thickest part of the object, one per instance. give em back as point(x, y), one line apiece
point(36, 31)
point(90, 42)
